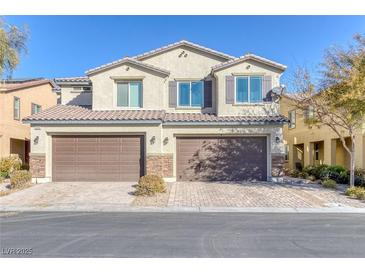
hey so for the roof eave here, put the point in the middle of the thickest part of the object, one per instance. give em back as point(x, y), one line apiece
point(119, 63)
point(90, 122)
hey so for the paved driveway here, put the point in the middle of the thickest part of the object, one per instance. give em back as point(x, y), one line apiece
point(289, 194)
point(71, 196)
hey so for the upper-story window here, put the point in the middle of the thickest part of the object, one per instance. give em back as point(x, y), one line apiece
point(16, 112)
point(129, 94)
point(309, 113)
point(190, 94)
point(36, 108)
point(292, 118)
point(81, 89)
point(248, 89)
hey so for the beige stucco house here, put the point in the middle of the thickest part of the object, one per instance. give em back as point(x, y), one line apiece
point(312, 145)
point(182, 111)
point(19, 99)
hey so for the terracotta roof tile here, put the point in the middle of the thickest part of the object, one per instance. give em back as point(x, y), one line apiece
point(202, 117)
point(248, 57)
point(182, 43)
point(128, 60)
point(77, 113)
point(27, 84)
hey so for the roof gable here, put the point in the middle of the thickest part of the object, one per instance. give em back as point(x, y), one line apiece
point(186, 44)
point(247, 57)
point(127, 60)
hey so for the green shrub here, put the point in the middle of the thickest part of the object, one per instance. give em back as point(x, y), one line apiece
point(20, 178)
point(356, 192)
point(315, 170)
point(294, 173)
point(335, 172)
point(329, 183)
point(149, 185)
point(303, 175)
point(9, 165)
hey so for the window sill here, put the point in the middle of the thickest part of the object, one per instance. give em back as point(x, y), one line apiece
point(250, 104)
point(189, 108)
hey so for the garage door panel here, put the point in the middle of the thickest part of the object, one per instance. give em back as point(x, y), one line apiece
point(97, 158)
point(221, 158)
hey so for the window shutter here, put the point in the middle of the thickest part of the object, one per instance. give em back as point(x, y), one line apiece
point(267, 87)
point(172, 94)
point(208, 94)
point(229, 89)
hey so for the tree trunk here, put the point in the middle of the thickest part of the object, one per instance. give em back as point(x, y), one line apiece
point(352, 163)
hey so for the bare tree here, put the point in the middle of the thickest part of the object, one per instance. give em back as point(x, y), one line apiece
point(339, 100)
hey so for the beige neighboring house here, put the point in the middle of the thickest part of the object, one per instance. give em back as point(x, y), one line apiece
point(313, 145)
point(19, 99)
point(183, 111)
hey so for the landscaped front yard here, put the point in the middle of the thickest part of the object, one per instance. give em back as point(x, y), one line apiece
point(112, 196)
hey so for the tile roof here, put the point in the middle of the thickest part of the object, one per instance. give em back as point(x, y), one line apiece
point(81, 79)
point(25, 84)
point(79, 114)
point(204, 117)
point(182, 43)
point(128, 60)
point(245, 57)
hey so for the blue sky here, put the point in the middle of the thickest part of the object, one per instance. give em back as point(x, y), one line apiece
point(65, 46)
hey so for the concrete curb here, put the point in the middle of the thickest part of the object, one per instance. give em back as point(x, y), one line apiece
point(184, 209)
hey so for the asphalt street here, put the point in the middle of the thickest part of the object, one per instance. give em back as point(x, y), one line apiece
point(148, 235)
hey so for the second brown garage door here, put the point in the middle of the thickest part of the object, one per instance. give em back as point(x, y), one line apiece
point(97, 158)
point(221, 158)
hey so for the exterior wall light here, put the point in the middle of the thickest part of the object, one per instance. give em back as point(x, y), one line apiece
point(36, 140)
point(277, 140)
point(166, 140)
point(153, 140)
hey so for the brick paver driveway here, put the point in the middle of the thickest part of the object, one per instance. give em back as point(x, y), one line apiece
point(257, 194)
point(72, 195)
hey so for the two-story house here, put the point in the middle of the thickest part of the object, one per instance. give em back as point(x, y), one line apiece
point(19, 99)
point(182, 111)
point(315, 144)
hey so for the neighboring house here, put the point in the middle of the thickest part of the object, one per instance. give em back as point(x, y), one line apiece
point(183, 111)
point(19, 99)
point(315, 144)
point(75, 91)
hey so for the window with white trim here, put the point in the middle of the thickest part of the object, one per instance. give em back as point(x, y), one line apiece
point(16, 106)
point(129, 94)
point(292, 118)
point(248, 89)
point(36, 108)
point(190, 94)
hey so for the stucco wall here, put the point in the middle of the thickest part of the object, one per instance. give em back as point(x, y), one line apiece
point(246, 68)
point(191, 65)
point(10, 128)
point(155, 138)
point(105, 88)
point(69, 96)
point(303, 134)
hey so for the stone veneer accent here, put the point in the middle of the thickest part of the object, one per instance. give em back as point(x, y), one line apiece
point(160, 164)
point(37, 165)
point(277, 165)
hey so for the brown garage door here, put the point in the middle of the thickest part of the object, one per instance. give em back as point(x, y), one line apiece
point(221, 159)
point(97, 158)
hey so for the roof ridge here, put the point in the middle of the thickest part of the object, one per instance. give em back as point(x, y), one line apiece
point(249, 56)
point(182, 42)
point(127, 59)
